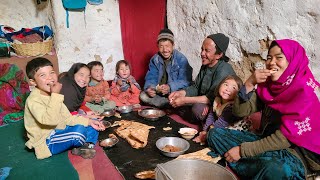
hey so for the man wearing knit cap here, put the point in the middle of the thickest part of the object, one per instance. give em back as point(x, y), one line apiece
point(200, 95)
point(169, 71)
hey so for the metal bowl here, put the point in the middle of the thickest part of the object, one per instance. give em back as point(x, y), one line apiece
point(108, 113)
point(124, 109)
point(106, 124)
point(151, 114)
point(180, 143)
point(192, 169)
point(109, 142)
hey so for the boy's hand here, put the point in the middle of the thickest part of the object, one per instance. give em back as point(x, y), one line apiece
point(95, 117)
point(55, 87)
point(97, 125)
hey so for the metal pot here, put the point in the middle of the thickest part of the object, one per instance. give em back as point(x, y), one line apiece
point(190, 169)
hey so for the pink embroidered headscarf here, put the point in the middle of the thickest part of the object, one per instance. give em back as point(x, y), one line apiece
point(294, 96)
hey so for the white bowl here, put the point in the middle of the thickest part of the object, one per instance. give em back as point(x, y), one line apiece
point(188, 133)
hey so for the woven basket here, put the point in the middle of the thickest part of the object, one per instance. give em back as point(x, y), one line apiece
point(33, 49)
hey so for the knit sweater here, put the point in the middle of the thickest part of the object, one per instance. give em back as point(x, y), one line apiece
point(42, 115)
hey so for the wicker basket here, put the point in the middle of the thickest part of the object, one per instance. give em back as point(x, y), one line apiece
point(33, 49)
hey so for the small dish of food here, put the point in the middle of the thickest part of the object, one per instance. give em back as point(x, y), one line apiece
point(187, 133)
point(172, 146)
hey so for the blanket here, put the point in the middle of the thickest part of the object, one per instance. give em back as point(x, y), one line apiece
point(23, 162)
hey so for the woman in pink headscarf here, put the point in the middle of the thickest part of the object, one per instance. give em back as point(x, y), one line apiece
point(288, 145)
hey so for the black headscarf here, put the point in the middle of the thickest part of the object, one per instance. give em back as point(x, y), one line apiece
point(73, 93)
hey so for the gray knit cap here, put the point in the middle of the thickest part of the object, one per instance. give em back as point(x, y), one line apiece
point(222, 42)
point(166, 34)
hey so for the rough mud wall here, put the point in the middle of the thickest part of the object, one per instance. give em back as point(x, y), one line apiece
point(250, 24)
point(93, 36)
point(23, 13)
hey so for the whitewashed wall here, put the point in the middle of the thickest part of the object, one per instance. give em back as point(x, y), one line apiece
point(23, 13)
point(98, 39)
point(249, 24)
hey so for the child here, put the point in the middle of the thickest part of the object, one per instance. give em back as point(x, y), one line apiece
point(98, 93)
point(222, 106)
point(124, 89)
point(50, 127)
point(74, 85)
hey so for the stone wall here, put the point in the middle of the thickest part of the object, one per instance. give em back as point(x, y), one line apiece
point(250, 24)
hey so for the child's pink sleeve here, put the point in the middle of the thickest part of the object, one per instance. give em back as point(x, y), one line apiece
point(106, 88)
point(135, 93)
point(114, 89)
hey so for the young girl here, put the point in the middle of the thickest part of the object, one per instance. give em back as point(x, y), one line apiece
point(98, 92)
point(74, 85)
point(222, 116)
point(124, 89)
point(288, 145)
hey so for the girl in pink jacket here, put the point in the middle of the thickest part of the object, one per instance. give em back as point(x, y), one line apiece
point(124, 89)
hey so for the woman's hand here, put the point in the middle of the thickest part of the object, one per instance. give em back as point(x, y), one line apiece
point(258, 76)
point(97, 125)
point(233, 155)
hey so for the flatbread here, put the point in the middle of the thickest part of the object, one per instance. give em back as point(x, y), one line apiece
point(135, 133)
point(201, 154)
point(146, 175)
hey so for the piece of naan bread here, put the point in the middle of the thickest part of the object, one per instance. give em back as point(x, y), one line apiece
point(135, 133)
point(201, 154)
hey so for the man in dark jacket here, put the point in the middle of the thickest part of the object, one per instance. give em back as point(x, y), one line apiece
point(215, 67)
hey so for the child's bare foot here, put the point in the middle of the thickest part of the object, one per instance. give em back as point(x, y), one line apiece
point(201, 138)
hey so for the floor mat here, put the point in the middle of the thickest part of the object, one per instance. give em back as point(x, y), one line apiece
point(24, 163)
point(130, 161)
